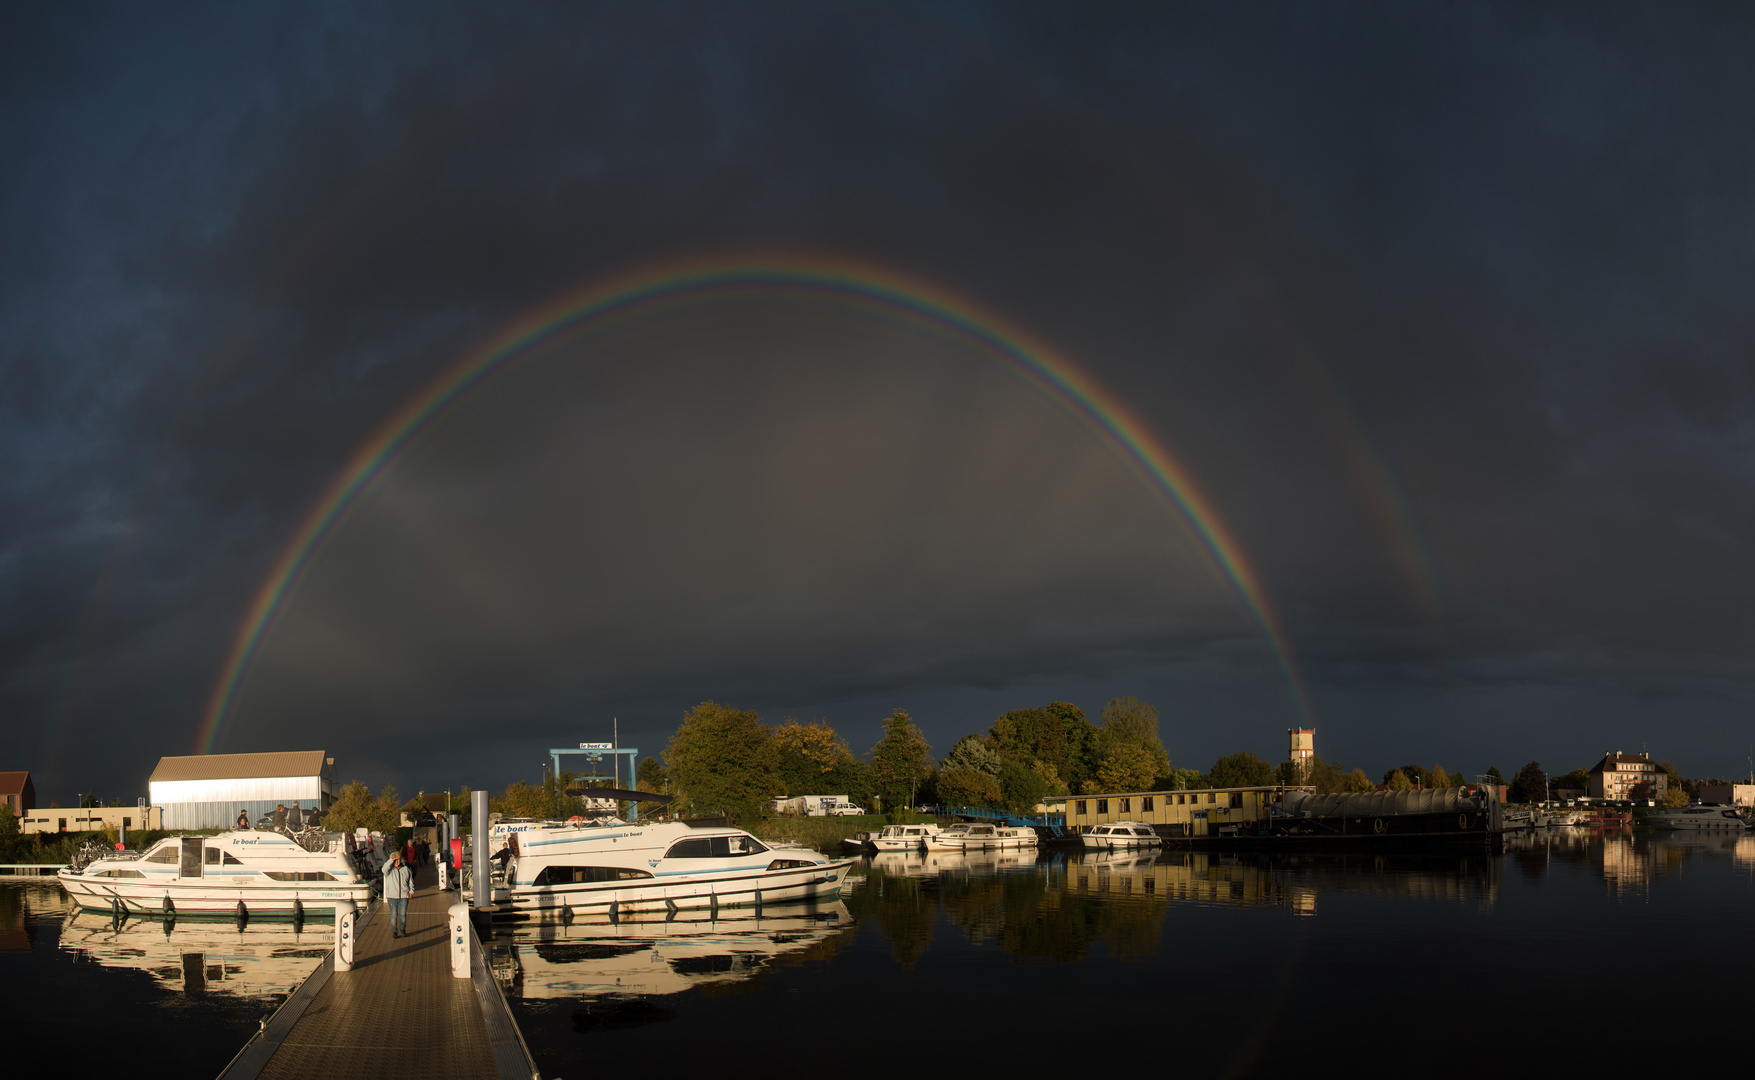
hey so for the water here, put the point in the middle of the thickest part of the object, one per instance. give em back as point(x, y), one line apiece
point(1575, 945)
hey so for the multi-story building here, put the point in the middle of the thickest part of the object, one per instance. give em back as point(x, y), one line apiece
point(1621, 777)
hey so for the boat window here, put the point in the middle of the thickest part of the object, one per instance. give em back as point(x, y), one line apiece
point(573, 875)
point(212, 856)
point(299, 875)
point(165, 854)
point(715, 847)
point(121, 873)
point(789, 864)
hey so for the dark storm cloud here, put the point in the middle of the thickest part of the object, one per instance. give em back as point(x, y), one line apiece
point(1442, 306)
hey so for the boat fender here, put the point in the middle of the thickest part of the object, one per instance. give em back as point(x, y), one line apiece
point(170, 909)
point(713, 905)
point(1186, 829)
point(615, 911)
point(243, 915)
point(1378, 826)
point(670, 904)
point(566, 914)
point(1462, 820)
point(298, 909)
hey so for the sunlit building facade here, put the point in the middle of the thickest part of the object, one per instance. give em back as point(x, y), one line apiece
point(1628, 777)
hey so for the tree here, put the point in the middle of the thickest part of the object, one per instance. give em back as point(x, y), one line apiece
point(1531, 784)
point(1415, 775)
point(971, 752)
point(1056, 735)
point(650, 776)
point(967, 787)
point(1184, 779)
point(355, 808)
point(1242, 769)
point(1676, 791)
point(522, 800)
point(1130, 730)
point(1494, 775)
point(722, 759)
point(899, 761)
point(8, 823)
point(1126, 767)
point(807, 755)
point(1358, 781)
point(1577, 779)
point(1398, 781)
point(1438, 778)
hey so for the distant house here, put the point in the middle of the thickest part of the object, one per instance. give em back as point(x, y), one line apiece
point(17, 791)
point(1621, 777)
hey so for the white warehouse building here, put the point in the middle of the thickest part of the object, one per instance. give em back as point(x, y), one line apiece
point(206, 791)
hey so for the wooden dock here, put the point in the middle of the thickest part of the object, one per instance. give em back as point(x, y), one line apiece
point(399, 1013)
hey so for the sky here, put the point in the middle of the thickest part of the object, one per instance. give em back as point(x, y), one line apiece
point(438, 384)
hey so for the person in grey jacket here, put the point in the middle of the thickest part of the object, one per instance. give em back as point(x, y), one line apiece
point(398, 887)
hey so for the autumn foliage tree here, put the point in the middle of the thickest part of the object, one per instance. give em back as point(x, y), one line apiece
point(722, 759)
point(899, 761)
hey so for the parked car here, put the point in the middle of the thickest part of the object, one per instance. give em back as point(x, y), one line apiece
point(847, 810)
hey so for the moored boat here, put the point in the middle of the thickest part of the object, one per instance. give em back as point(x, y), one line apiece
point(983, 837)
point(261, 873)
point(1698, 818)
point(568, 870)
point(904, 837)
point(1121, 834)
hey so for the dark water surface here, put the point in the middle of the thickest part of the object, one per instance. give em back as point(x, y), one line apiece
point(1555, 953)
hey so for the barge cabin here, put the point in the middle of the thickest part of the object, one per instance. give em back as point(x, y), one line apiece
point(1194, 814)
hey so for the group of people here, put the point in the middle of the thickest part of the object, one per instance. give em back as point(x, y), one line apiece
point(282, 818)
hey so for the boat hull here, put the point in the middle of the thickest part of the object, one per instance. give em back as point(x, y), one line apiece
point(734, 888)
point(147, 899)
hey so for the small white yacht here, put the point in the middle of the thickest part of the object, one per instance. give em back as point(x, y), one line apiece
point(904, 837)
point(1698, 818)
point(259, 873)
point(984, 837)
point(566, 870)
point(1121, 834)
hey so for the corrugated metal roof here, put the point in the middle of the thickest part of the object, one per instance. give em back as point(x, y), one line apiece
point(239, 766)
point(12, 783)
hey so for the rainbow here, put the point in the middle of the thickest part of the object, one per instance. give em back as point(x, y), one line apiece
point(861, 281)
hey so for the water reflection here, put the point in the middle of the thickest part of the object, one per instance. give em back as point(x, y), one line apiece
point(613, 963)
point(1628, 864)
point(195, 958)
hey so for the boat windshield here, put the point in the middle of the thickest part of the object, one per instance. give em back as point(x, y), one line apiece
point(715, 847)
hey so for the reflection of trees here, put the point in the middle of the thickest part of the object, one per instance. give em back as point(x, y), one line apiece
point(1027, 915)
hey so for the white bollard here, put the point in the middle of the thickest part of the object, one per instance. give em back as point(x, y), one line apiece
point(346, 929)
point(459, 940)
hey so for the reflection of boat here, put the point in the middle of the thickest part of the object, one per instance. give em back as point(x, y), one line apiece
point(661, 955)
point(1608, 819)
point(1698, 818)
point(569, 870)
point(983, 837)
point(933, 863)
point(1121, 834)
point(265, 874)
point(196, 958)
point(904, 837)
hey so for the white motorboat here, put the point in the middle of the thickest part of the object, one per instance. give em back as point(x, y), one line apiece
point(568, 870)
point(904, 837)
point(258, 873)
point(1121, 834)
point(1698, 818)
point(984, 837)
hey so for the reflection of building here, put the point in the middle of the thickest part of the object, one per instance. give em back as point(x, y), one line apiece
point(1728, 794)
point(91, 819)
point(1302, 753)
point(206, 791)
point(1628, 776)
point(1626, 867)
point(1183, 876)
point(17, 791)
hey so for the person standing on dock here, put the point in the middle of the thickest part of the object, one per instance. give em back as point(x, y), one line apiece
point(295, 818)
point(243, 819)
point(398, 887)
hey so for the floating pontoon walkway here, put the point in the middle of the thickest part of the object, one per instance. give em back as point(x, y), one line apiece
point(398, 1013)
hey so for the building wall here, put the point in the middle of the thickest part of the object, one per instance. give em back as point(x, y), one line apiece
point(1728, 794)
point(90, 819)
point(214, 804)
point(1191, 813)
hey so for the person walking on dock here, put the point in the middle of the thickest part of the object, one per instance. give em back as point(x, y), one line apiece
point(398, 887)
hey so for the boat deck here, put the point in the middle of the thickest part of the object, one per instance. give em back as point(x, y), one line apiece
point(398, 1013)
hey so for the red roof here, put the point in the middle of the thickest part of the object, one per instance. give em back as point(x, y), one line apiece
point(12, 783)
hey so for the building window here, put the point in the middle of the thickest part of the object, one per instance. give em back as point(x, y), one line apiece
point(1181, 799)
point(1212, 797)
point(1079, 807)
point(1146, 805)
point(1125, 807)
point(1102, 806)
